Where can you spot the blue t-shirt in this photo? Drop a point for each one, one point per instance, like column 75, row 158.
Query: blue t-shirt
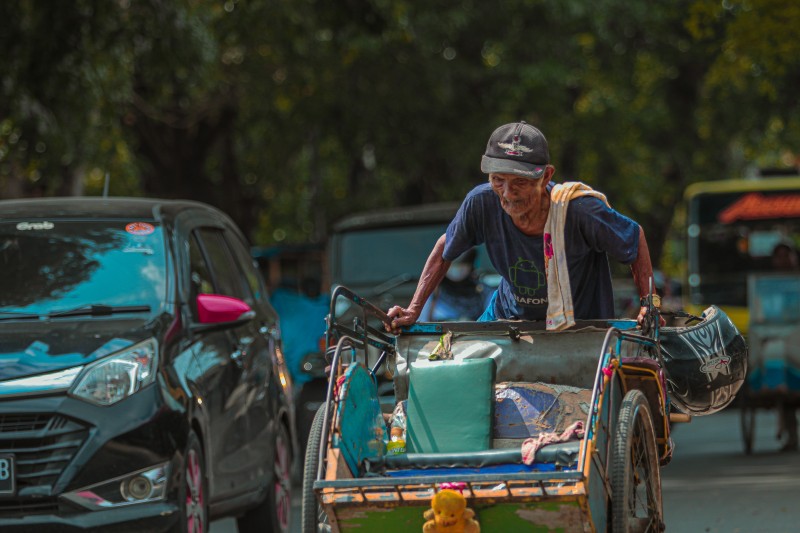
column 592, row 233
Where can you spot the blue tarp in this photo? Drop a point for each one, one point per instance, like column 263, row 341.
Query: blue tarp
column 302, row 326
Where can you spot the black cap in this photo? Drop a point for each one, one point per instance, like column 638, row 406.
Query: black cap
column 516, row 148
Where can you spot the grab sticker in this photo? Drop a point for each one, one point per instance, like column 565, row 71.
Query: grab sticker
column 27, row 226
column 140, row 228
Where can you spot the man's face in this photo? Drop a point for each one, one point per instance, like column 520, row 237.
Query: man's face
column 518, row 195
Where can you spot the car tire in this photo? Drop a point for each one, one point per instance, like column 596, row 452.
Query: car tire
column 193, row 489
column 273, row 514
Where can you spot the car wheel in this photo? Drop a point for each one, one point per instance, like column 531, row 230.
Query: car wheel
column 273, row 514
column 193, row 489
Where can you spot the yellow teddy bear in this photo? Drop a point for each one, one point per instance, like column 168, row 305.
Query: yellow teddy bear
column 449, row 514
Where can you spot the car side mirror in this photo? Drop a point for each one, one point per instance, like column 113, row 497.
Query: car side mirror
column 215, row 311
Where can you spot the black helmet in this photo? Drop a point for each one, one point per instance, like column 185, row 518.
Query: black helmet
column 705, row 363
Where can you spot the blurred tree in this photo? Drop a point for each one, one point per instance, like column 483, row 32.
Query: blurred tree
column 59, row 79
column 751, row 100
column 290, row 114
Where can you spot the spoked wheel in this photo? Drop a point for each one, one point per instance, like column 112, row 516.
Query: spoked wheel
column 273, row 513
column 193, row 489
column 314, row 518
column 747, row 416
column 635, row 475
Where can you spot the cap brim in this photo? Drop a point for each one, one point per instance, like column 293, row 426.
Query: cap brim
column 494, row 165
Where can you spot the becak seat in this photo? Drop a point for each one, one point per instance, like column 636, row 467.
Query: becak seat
column 449, row 406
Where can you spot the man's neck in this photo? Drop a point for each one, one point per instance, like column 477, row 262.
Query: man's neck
column 532, row 222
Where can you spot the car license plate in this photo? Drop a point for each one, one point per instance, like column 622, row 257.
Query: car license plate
column 8, row 485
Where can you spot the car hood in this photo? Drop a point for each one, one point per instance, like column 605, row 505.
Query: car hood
column 34, row 347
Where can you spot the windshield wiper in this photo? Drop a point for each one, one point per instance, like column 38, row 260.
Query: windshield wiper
column 100, row 310
column 17, row 315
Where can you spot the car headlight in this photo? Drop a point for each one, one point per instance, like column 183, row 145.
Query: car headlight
column 116, row 377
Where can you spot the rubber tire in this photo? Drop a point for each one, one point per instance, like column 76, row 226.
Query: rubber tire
column 635, row 423
column 193, row 455
column 312, row 392
column 311, row 508
column 277, row 505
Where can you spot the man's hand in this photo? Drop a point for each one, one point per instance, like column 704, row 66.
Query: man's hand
column 400, row 317
column 643, row 315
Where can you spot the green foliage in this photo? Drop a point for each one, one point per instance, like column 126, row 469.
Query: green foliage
column 755, row 72
column 290, row 114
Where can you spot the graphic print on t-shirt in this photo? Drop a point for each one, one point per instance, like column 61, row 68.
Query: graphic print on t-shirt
column 527, row 280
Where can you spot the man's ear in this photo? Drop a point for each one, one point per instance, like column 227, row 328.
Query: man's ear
column 549, row 171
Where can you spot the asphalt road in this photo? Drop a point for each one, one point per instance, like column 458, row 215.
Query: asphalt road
column 228, row 525
column 711, row 486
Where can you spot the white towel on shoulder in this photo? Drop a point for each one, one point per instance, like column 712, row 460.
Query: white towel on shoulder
column 560, row 314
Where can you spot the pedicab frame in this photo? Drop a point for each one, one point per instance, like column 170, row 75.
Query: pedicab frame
column 615, row 485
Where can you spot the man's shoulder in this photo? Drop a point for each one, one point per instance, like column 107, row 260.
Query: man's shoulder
column 586, row 202
column 590, row 212
column 480, row 190
column 481, row 196
column 587, row 205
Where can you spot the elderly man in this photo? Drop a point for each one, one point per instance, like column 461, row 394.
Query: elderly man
column 553, row 260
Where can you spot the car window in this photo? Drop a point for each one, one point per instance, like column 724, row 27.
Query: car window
column 57, row 264
column 228, row 279
column 200, row 276
column 247, row 263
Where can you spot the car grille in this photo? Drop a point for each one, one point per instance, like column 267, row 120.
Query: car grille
column 17, row 508
column 43, row 445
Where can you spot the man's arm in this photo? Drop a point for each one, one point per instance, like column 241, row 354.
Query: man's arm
column 642, row 270
column 433, row 273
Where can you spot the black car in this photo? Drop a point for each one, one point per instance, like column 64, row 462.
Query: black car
column 142, row 384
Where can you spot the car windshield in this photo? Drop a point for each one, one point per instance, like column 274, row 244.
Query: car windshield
column 387, row 256
column 54, row 265
column 378, row 256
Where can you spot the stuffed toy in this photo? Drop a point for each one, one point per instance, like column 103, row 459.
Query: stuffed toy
column 449, row 514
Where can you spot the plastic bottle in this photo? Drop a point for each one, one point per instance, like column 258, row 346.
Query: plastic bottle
column 397, row 444
column 377, row 445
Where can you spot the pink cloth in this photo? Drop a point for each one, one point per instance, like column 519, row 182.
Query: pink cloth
column 531, row 445
column 454, row 485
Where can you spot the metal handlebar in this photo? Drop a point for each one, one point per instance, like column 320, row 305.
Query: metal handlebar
column 361, row 331
column 341, row 290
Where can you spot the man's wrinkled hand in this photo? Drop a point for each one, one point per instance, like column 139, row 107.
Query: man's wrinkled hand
column 400, row 317
column 643, row 315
